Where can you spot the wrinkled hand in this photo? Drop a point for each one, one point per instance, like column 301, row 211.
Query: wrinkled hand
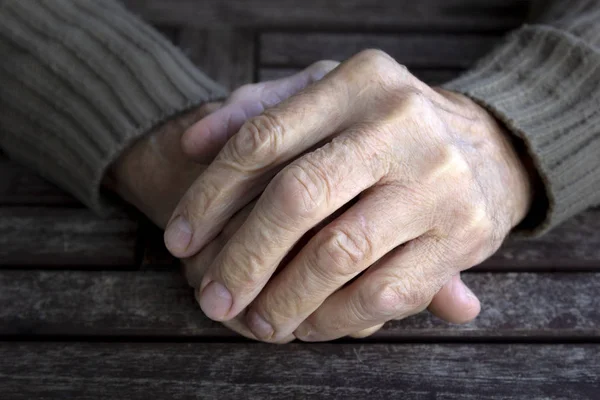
column 154, row 173
column 436, row 180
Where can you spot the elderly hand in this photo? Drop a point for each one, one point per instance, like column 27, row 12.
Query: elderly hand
column 432, row 184
column 154, row 173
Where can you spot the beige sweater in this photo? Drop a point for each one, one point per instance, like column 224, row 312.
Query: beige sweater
column 80, row 80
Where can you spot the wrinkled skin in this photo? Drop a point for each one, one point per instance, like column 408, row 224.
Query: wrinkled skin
column 155, row 173
column 428, row 181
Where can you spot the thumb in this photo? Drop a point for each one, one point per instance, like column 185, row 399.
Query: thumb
column 204, row 140
column 455, row 302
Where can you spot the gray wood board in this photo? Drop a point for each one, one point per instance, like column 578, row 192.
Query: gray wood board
column 413, row 50
column 298, row 371
column 60, row 237
column 446, row 15
column 225, row 55
column 21, row 186
column 553, row 306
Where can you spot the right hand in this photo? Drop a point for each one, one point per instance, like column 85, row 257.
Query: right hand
column 453, row 303
column 156, row 171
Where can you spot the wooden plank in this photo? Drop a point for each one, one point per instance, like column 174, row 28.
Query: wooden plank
column 413, row 50
column 553, row 306
column 65, row 237
column 20, row 186
column 298, row 371
column 430, row 76
column 447, row 15
column 575, row 245
column 225, row 55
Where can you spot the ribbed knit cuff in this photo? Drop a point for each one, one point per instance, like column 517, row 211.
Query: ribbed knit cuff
column 80, row 80
column 544, row 85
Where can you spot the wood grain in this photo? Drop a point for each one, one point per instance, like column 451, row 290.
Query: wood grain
column 225, row 55
column 573, row 245
column 154, row 303
column 21, row 186
column 447, row 15
column 298, row 371
column 413, row 50
column 60, row 237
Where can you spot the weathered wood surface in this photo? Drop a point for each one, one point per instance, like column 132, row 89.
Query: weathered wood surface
column 299, row 371
column 20, row 186
column 151, row 303
column 60, row 237
column 447, row 15
column 573, row 245
column 226, row 55
column 413, row 50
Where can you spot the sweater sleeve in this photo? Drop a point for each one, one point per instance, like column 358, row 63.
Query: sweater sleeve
column 80, row 80
column 543, row 83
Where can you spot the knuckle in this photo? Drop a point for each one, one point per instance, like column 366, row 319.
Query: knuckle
column 450, row 171
column 243, row 271
column 398, row 296
column 303, row 190
column 416, row 100
column 278, row 307
column 416, row 105
column 344, row 251
column 384, row 301
column 199, row 199
column 258, row 141
column 380, row 66
column 375, row 56
column 457, row 167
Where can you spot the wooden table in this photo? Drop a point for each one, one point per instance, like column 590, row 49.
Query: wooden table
column 95, row 308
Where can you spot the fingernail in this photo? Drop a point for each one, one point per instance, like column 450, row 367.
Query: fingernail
column 178, row 235
column 215, row 301
column 470, row 294
column 303, row 332
column 261, row 328
column 466, row 292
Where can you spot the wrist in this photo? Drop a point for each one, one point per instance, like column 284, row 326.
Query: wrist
column 499, row 149
column 517, row 172
column 153, row 173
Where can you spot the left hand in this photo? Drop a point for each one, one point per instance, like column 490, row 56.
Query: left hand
column 438, row 182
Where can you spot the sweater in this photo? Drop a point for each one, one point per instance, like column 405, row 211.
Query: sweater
column 81, row 80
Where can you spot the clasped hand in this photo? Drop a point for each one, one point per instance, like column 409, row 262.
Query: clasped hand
column 333, row 205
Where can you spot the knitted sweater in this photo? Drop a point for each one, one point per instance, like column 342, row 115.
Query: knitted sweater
column 80, row 80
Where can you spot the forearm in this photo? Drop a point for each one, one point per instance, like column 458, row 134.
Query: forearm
column 80, row 82
column 542, row 82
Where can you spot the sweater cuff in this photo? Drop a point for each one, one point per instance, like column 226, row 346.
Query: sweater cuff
column 543, row 84
column 81, row 81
